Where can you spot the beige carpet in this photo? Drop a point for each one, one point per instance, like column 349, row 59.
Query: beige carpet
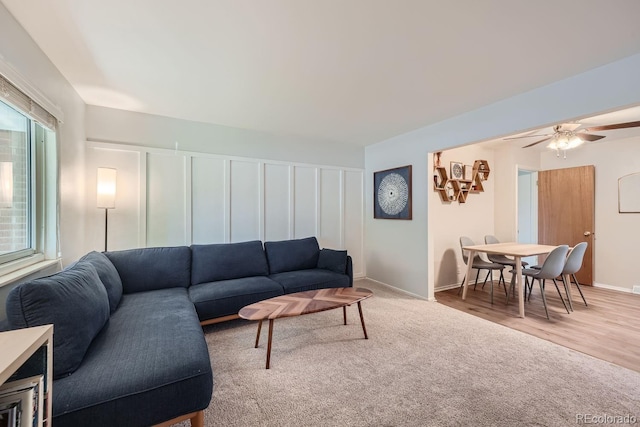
column 424, row 364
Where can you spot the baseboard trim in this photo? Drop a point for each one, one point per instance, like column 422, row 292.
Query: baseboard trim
column 446, row 287
column 613, row 288
column 411, row 294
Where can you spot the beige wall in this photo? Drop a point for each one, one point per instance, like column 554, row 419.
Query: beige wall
column 473, row 219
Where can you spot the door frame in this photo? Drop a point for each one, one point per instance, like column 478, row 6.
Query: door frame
column 524, row 168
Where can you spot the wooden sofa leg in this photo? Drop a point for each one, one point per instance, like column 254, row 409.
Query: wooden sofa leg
column 198, row 419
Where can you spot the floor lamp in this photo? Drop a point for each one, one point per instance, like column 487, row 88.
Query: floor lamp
column 106, row 195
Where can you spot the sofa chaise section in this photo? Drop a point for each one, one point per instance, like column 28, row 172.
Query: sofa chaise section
column 128, row 346
column 149, row 364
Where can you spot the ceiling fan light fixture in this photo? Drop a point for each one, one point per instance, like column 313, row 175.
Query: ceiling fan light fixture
column 564, row 140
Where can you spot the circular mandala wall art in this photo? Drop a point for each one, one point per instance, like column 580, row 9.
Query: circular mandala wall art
column 393, row 194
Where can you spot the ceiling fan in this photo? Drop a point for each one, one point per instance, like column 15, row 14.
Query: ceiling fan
column 566, row 136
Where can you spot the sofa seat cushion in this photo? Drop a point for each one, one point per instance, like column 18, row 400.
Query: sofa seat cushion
column 73, row 300
column 108, row 276
column 306, row 280
column 226, row 261
column 291, row 255
column 149, row 364
column 147, row 269
column 227, row 297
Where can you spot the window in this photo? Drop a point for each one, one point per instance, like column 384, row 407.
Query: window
column 27, row 204
column 16, row 219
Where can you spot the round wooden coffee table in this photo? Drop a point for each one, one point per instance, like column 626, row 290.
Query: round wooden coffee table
column 305, row 302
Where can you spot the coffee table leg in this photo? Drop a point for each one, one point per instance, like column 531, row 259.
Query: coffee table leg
column 362, row 321
column 258, row 334
column 344, row 312
column 269, row 343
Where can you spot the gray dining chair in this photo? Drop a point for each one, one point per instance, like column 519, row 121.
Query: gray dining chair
column 550, row 269
column 499, row 258
column 572, row 266
column 480, row 264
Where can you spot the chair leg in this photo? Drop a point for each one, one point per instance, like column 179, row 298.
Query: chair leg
column 491, row 290
column 504, row 284
column 561, row 297
column 566, row 291
column 486, row 277
column 476, row 284
column 544, row 299
column 579, row 290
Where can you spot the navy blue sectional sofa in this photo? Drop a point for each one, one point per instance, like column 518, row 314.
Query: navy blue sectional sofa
column 129, row 349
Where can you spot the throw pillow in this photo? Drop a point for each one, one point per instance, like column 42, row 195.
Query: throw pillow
column 108, row 276
column 74, row 301
column 292, row 255
column 333, row 260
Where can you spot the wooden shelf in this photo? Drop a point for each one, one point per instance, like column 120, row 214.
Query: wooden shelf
column 476, row 186
column 465, row 187
column 451, row 190
column 441, row 183
column 481, row 169
column 18, row 346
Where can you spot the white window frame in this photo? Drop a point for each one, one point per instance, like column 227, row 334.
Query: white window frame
column 44, row 249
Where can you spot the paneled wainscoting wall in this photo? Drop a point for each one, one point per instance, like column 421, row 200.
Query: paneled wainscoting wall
column 171, row 197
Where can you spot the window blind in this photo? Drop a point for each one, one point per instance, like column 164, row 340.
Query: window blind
column 21, row 101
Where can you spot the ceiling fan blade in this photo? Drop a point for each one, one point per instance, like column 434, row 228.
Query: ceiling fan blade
column 614, row 126
column 528, row 136
column 537, row 142
column 589, row 137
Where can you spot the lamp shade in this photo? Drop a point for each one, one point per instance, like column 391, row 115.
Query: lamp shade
column 107, row 188
column 6, row 184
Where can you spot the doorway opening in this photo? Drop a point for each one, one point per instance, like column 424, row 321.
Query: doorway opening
column 528, row 209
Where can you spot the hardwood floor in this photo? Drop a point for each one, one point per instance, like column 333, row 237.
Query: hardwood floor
column 607, row 329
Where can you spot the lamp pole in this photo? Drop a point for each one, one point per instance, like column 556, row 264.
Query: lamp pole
column 106, row 227
column 106, row 196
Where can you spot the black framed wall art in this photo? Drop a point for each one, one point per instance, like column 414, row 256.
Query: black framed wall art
column 392, row 193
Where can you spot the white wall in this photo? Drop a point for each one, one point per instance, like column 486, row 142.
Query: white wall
column 401, row 253
column 615, row 233
column 111, row 125
column 473, row 219
column 20, row 52
column 174, row 197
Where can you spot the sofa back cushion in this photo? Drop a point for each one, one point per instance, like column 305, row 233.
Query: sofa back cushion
column 292, row 255
column 108, row 276
column 73, row 300
column 148, row 269
column 226, row 261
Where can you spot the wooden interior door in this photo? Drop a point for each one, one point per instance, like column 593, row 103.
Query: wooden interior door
column 566, row 212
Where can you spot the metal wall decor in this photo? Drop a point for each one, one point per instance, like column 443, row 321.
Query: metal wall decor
column 392, row 193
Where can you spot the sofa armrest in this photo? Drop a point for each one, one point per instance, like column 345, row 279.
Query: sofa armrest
column 349, row 271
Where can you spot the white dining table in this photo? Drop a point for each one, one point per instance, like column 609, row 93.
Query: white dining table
column 517, row 251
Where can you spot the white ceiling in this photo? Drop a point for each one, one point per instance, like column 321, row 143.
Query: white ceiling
column 354, row 71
